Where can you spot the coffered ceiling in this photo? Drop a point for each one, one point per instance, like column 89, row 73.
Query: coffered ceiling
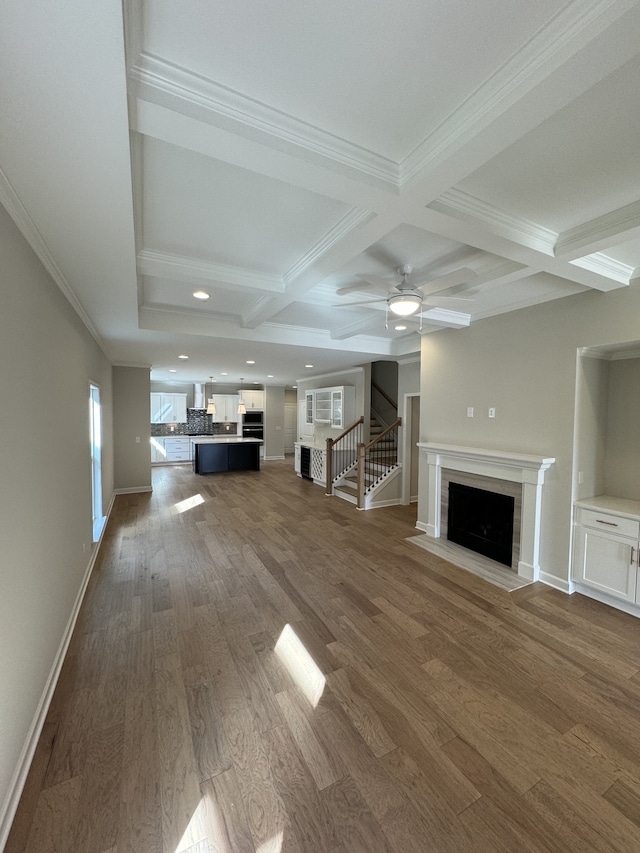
column 273, row 154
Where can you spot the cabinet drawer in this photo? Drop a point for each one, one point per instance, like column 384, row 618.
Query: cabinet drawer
column 611, row 523
column 177, row 456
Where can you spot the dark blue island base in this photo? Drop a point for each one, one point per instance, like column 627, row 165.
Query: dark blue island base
column 214, row 458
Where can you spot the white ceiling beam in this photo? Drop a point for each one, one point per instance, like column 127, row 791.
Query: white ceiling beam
column 605, row 231
column 348, row 330
column 180, row 268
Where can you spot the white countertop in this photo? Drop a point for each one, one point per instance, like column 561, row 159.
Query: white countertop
column 220, row 439
column 610, row 503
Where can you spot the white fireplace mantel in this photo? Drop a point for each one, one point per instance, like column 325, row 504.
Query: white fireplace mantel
column 515, row 467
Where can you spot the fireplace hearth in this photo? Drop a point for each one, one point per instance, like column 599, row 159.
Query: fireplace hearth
column 481, row 521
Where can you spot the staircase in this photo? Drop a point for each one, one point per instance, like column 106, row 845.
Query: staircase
column 367, row 482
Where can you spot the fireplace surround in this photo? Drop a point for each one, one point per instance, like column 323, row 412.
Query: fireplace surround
column 515, row 468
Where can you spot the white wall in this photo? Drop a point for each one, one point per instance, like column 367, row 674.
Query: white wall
column 523, row 364
column 47, row 360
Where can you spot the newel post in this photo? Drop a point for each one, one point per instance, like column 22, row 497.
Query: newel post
column 329, row 467
column 361, row 462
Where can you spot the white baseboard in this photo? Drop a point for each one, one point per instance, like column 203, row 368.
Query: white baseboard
column 16, row 786
column 556, row 583
column 272, row 458
column 422, row 525
column 133, row 490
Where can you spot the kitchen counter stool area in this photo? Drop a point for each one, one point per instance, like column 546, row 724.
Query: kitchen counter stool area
column 217, row 455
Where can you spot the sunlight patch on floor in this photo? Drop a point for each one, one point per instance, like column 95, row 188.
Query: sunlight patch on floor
column 273, row 845
column 300, row 665
column 189, row 503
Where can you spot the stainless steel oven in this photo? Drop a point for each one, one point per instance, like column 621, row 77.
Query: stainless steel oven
column 252, row 430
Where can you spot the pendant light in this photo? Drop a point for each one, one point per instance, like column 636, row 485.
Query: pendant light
column 211, row 406
column 242, row 409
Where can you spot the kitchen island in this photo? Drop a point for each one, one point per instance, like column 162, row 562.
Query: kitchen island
column 214, row 455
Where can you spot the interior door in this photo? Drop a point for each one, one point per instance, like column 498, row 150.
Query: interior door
column 289, row 427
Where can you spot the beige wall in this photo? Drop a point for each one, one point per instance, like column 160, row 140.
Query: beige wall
column 622, row 437
column 274, row 422
column 523, row 364
column 47, row 360
column 131, row 421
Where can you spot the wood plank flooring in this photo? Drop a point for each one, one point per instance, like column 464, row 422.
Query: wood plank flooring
column 408, row 706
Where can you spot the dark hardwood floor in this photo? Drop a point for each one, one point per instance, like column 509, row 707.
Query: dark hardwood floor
column 258, row 668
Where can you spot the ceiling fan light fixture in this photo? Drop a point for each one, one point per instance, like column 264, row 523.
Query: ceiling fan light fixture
column 405, row 304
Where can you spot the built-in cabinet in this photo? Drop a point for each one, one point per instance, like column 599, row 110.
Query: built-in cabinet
column 606, row 542
column 317, row 461
column 226, row 408
column 253, row 400
column 333, row 407
column 168, row 449
column 168, row 408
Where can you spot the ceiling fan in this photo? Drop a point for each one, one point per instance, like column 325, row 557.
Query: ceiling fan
column 405, row 298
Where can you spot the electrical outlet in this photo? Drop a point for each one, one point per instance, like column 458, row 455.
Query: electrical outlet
column 137, row 439
column 492, row 412
column 469, row 411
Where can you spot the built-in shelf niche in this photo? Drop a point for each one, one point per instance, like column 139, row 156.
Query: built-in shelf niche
column 607, row 434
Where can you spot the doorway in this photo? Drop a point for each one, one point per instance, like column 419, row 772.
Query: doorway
column 411, row 451
column 95, row 427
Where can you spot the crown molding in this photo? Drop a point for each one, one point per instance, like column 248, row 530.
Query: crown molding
column 515, row 228
column 350, row 222
column 613, row 228
column 552, row 44
column 182, row 268
column 222, row 103
column 604, row 265
column 27, row 227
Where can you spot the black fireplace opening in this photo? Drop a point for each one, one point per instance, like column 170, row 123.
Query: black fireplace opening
column 481, row 521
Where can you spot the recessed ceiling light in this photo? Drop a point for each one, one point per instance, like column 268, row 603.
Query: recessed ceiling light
column 308, row 365
column 269, row 375
column 400, row 327
column 183, row 356
column 256, row 383
column 200, row 294
column 224, row 374
column 294, row 386
column 172, row 370
column 250, row 361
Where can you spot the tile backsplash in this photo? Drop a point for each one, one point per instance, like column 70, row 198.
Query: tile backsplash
column 198, row 422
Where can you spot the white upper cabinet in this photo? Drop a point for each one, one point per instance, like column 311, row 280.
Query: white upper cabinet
column 333, row 407
column 168, row 408
column 253, row 400
column 226, row 409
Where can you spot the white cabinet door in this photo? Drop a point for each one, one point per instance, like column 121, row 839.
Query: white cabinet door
column 606, row 561
column 168, row 408
column 226, row 408
column 296, row 458
column 253, row 400
column 337, row 419
column 158, row 453
column 309, row 406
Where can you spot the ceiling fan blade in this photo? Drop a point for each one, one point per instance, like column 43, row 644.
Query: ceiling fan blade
column 463, row 275
column 436, row 299
column 376, row 281
column 347, row 304
column 368, row 283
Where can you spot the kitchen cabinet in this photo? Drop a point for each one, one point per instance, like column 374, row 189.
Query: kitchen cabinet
column 168, row 408
column 169, row 449
column 158, row 453
column 252, row 399
column 226, row 409
column 605, row 551
column 177, row 449
column 334, row 407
